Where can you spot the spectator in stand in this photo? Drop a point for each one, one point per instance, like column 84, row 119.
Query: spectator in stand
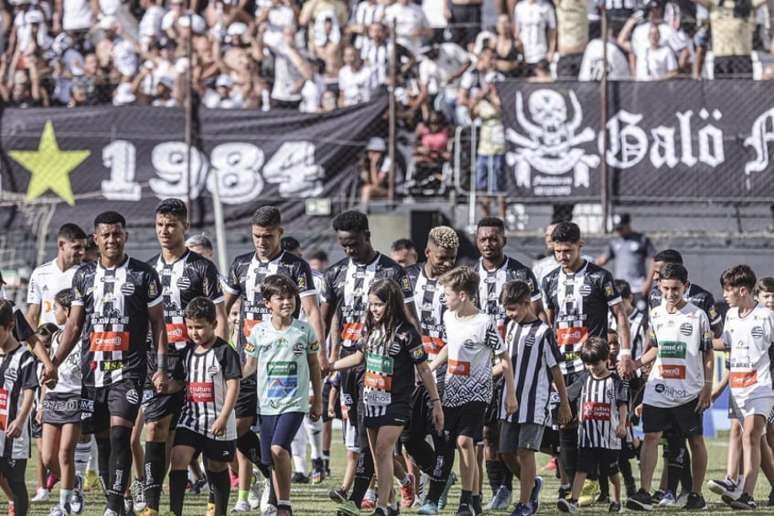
column 366, row 14
column 24, row 89
column 657, row 62
column 291, row 71
column 432, row 149
column 509, row 58
column 477, row 84
column 572, row 36
column 356, row 79
column 374, row 173
column 274, row 18
column 732, row 23
column 592, row 65
column 440, row 69
column 404, row 252
column 437, row 14
column 328, row 47
column 534, row 24
column 411, row 25
column 490, row 164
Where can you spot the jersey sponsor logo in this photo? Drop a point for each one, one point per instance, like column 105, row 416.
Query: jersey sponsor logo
column 301, row 283
column 458, row 368
column 281, row 386
column 132, row 397
column 153, row 290
column 529, row 340
column 757, row 332
column 248, row 325
column 376, row 381
column 672, row 371
column 351, row 331
column 596, row 411
column 111, row 365
column 109, row 341
column 743, row 379
column 571, row 336
column 671, row 349
column 280, row 369
column 609, row 290
column 176, row 332
column 377, row 398
column 127, row 289
column 686, row 329
column 200, row 392
column 379, row 364
column 3, row 408
column 585, row 290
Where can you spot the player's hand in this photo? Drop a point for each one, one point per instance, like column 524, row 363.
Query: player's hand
column 160, row 381
column 511, row 405
column 50, row 376
column 39, row 416
column 705, row 398
column 565, row 414
column 218, row 427
column 14, row 429
column 638, row 410
column 626, row 366
column 332, row 410
column 438, row 421
column 620, row 430
column 325, row 366
column 315, row 408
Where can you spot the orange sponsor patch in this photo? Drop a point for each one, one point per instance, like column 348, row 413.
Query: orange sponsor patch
column 378, row 382
column 571, row 336
column 432, row 345
column 248, row 325
column 176, row 333
column 672, row 372
column 742, row 379
column 109, row 341
column 458, row 368
column 352, row 331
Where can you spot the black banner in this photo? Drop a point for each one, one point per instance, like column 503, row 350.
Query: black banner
column 667, row 141
column 87, row 160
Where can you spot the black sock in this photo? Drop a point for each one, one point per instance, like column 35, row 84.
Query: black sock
column 103, row 462
column 604, row 486
column 686, row 479
column 494, row 472
column 507, row 477
column 177, row 481
column 250, row 446
column 466, row 497
column 120, row 466
column 16, row 483
column 221, row 486
column 476, row 503
column 155, row 462
column 363, row 475
column 326, row 458
column 272, row 492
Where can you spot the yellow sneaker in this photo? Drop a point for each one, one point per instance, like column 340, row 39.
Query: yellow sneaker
column 90, row 481
column 149, row 512
column 210, row 509
column 588, row 493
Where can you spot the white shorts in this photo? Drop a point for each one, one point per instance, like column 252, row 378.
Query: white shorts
column 757, row 406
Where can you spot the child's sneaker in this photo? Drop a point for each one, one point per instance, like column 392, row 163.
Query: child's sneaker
column 696, row 503
column 428, row 508
column 41, row 495
column 241, row 506
column 744, row 502
column 369, row 500
column 501, row 499
column 523, row 510
column 407, row 495
column 588, row 493
column 337, row 495
column 465, row 510
column 565, row 505
column 641, row 501
column 725, row 487
column 667, row 500
column 615, row 507
column 658, row 494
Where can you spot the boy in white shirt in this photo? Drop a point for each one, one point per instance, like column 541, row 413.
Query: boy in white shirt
column 748, row 333
column 472, row 339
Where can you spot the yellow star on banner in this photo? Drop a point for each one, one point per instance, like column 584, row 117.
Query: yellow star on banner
column 50, row 166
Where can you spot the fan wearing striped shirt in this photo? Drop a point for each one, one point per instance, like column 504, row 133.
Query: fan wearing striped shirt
column 212, row 371
column 602, row 415
column 535, row 363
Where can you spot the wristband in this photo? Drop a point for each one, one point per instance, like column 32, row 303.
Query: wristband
column 161, row 362
column 436, row 399
column 624, row 352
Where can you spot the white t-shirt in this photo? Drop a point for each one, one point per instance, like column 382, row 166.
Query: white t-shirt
column 592, row 64
column 435, row 73
column 46, row 282
column 471, row 341
column 641, row 39
column 70, row 377
column 285, row 77
column 433, row 10
column 310, row 95
column 532, row 20
column 750, row 339
column 409, row 19
column 653, row 63
column 150, row 24
column 280, row 17
column 677, row 376
column 76, row 15
column 356, row 86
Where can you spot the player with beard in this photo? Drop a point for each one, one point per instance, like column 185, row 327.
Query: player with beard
column 244, row 283
column 495, row 270
column 578, row 296
column 346, row 300
column 441, row 253
column 185, row 275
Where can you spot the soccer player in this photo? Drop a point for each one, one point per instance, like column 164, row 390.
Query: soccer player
column 578, row 296
column 19, row 382
column 116, row 299
column 244, row 281
column 346, row 298
column 404, row 252
column 679, row 386
column 184, row 275
column 207, row 422
column 602, row 418
column 749, row 334
column 284, row 353
column 391, row 349
column 535, row 360
column 61, row 410
column 495, row 269
column 441, row 255
column 472, row 343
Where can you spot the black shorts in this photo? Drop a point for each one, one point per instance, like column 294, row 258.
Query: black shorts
column 421, row 412
column 683, row 418
column 156, row 407
column 398, row 414
column 337, row 406
column 602, row 460
column 221, row 451
column 13, row 468
column 550, row 444
column 247, row 402
column 61, row 409
column 466, row 420
column 99, row 404
column 492, row 416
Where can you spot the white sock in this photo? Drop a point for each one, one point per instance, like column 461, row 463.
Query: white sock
column 64, row 496
column 93, row 463
column 298, row 447
column 313, row 431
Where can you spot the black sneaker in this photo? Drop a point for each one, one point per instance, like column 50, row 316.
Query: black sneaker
column 465, row 510
column 695, row 502
column 564, row 492
column 615, row 507
column 641, row 501
column 771, row 497
column 602, row 499
column 299, row 478
column 658, row 495
column 337, row 495
column 379, row 512
column 565, row 505
column 745, row 502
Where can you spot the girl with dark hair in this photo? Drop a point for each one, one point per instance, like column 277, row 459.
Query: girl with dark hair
column 390, row 348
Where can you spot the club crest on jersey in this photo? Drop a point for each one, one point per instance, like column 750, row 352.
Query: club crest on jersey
column 405, row 283
column 132, row 397
column 301, row 282
column 609, row 290
column 585, row 290
column 11, row 375
column 529, row 340
column 757, row 332
column 213, row 370
column 298, row 349
column 184, row 283
column 417, row 352
column 469, row 344
column 127, row 289
column 686, row 329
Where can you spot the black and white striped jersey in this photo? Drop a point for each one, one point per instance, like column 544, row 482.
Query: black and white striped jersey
column 638, row 330
column 598, row 410
column 190, row 276
column 533, row 352
column 206, row 374
column 17, row 373
column 491, row 285
column 579, row 302
column 116, row 303
column 429, row 302
column 347, row 284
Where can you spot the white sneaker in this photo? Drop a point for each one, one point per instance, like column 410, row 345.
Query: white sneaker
column 110, row 512
column 241, row 506
column 254, row 498
column 270, row 510
column 264, row 504
column 58, row 510
column 138, row 495
column 41, row 495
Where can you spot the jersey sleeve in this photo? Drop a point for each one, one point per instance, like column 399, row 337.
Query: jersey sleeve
column 229, row 363
column 492, row 339
column 34, row 295
column 533, row 283
column 312, row 344
column 551, row 353
column 329, row 291
column 79, row 287
column 621, row 391
column 706, row 332
column 304, row 279
column 548, row 295
column 22, row 329
column 211, row 282
column 612, row 296
column 28, row 372
column 152, row 288
column 231, row 283
column 405, row 286
column 413, row 344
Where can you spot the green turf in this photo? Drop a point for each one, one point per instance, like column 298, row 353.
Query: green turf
column 313, row 500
